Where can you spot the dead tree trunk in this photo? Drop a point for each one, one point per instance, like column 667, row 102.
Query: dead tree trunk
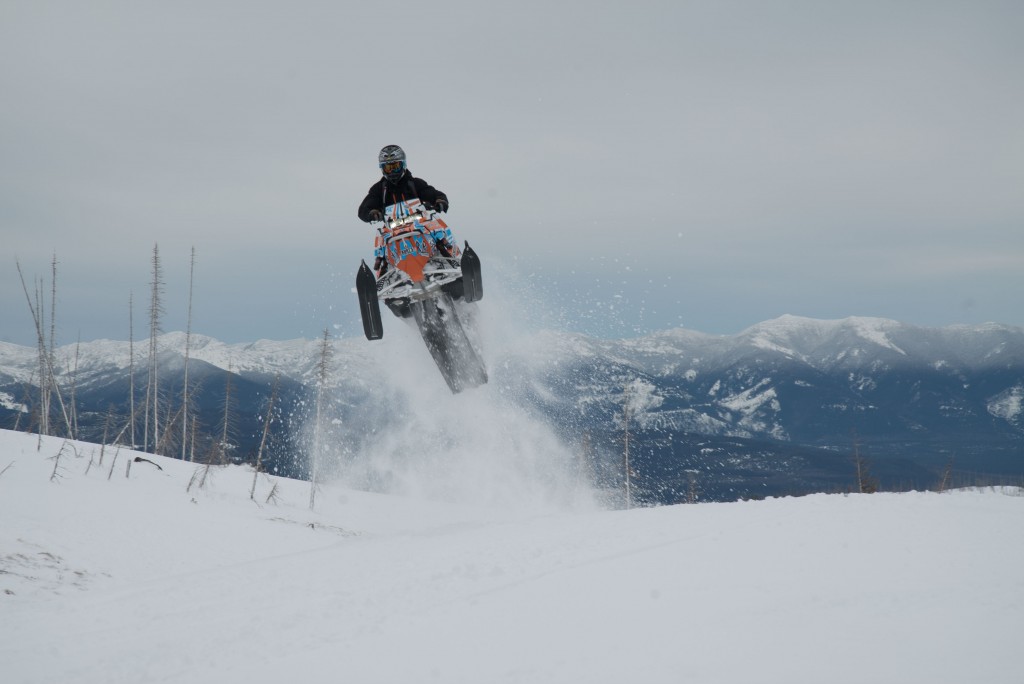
column 152, row 388
column 185, row 396
column 263, row 440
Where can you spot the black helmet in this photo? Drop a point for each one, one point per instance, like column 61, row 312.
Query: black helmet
column 392, row 162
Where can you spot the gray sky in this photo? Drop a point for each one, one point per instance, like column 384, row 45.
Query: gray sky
column 643, row 165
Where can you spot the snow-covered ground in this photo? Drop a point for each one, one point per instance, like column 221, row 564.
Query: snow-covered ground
column 112, row 576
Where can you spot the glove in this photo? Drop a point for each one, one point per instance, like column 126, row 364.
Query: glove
column 376, row 215
column 441, row 204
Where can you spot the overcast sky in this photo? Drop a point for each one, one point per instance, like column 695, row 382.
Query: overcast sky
column 642, row 165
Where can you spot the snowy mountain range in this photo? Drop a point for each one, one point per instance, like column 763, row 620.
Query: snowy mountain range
column 777, row 407
column 798, row 379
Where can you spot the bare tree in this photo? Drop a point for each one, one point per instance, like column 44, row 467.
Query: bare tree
column 27, row 405
column 185, row 396
column 271, row 497
column 947, row 475
column 637, row 398
column 866, row 484
column 48, row 387
column 192, row 442
column 220, row 447
column 74, row 390
column 50, row 351
column 45, row 372
column 627, row 412
column 228, row 420
column 263, row 439
column 167, row 440
column 89, row 466
column 131, row 368
column 113, row 461
column 106, row 431
column 691, row 488
column 152, row 386
column 56, row 474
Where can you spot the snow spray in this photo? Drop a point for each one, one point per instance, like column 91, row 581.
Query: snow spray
column 411, row 436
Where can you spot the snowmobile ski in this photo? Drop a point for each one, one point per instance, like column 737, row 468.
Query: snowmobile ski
column 369, row 306
column 472, row 285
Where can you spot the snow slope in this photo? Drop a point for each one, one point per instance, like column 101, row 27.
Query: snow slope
column 124, row 576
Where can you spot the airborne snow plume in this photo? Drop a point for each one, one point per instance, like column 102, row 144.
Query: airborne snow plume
column 411, row 435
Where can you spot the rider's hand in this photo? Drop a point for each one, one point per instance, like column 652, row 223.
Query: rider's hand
column 441, row 204
column 376, row 215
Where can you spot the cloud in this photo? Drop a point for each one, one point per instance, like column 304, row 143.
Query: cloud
column 761, row 133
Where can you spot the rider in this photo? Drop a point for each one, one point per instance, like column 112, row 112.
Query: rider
column 398, row 185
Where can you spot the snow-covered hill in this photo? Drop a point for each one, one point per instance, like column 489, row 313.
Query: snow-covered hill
column 109, row 575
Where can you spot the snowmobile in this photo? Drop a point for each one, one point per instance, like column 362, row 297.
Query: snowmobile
column 425, row 277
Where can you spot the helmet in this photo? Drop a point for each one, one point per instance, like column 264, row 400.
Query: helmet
column 392, row 162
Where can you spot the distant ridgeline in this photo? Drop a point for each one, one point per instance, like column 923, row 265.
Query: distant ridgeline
column 788, row 406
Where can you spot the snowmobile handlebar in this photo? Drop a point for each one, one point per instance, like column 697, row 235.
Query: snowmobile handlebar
column 393, row 223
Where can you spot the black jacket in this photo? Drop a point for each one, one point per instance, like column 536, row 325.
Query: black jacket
column 382, row 193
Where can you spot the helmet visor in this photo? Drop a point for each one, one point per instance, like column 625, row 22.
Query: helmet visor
column 392, row 167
